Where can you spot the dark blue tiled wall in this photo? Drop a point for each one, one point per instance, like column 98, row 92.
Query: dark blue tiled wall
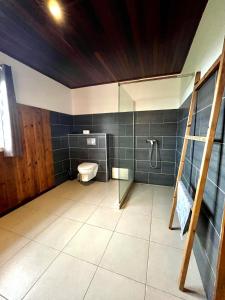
column 61, row 125
column 80, row 152
column 208, row 231
column 162, row 126
column 158, row 124
column 118, row 126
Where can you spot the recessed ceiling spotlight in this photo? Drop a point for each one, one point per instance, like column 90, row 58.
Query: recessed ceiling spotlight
column 56, row 10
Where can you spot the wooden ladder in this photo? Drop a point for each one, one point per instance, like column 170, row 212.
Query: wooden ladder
column 208, row 140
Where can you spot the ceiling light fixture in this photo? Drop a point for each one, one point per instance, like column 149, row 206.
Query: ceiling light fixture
column 56, row 10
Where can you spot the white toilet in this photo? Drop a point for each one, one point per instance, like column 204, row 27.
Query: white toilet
column 87, row 171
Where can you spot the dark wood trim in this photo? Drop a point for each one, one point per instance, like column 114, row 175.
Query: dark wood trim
column 101, row 41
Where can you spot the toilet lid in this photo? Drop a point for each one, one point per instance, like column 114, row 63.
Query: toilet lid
column 87, row 166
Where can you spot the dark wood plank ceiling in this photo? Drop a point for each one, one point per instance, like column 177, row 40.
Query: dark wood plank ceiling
column 100, row 41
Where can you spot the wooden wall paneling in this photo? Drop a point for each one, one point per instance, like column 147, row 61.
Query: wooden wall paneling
column 49, row 165
column 39, row 154
column 23, row 178
column 21, row 173
column 26, row 165
column 8, row 189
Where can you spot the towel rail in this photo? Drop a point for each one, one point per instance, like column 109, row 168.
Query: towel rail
column 219, row 64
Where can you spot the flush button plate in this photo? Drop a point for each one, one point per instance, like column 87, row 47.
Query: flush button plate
column 91, row 141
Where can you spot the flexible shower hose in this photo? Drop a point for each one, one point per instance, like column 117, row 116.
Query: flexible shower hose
column 153, row 166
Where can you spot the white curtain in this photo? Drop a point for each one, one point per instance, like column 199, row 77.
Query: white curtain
column 1, row 124
column 10, row 135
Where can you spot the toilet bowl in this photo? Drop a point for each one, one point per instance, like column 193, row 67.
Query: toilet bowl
column 87, row 171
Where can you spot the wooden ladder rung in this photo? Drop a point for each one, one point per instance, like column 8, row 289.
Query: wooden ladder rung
column 196, row 138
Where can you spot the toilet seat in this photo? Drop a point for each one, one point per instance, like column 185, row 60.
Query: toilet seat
column 87, row 166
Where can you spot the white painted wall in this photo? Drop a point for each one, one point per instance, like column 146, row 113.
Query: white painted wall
column 155, row 95
column 207, row 43
column 35, row 89
column 149, row 95
column 95, row 99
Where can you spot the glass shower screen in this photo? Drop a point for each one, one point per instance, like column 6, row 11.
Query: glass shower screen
column 125, row 143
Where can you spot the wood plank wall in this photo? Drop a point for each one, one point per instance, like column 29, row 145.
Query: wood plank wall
column 23, row 178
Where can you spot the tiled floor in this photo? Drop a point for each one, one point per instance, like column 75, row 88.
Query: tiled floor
column 71, row 243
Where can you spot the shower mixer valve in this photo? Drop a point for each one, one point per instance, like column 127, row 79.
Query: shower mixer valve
column 151, row 141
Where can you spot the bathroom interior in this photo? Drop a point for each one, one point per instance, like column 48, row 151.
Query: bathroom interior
column 105, row 115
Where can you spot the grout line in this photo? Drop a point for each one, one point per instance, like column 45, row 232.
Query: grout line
column 45, row 270
column 29, row 240
column 59, row 251
column 146, row 278
column 198, row 169
column 166, row 245
column 165, row 292
column 42, row 273
column 103, row 255
column 98, row 266
column 207, row 258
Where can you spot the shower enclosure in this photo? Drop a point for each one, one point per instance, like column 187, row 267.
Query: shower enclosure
column 125, row 143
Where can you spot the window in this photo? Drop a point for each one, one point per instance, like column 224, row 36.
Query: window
column 1, row 136
column 1, row 117
column 10, row 136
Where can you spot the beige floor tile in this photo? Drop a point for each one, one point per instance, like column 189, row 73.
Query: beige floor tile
column 89, row 243
column 19, row 273
column 80, row 211
column 163, row 271
column 58, row 234
column 127, row 256
column 162, row 205
column 53, row 193
column 154, row 294
column 143, row 186
column 163, row 196
column 105, row 218
column 67, row 278
column 53, row 205
column 160, row 233
column 69, row 187
column 111, row 286
column 161, row 212
column 54, row 220
column 139, row 206
column 140, row 202
column 92, row 197
column 140, row 188
column 2, row 298
column 34, row 223
column 10, row 244
column 110, row 200
column 134, row 224
column 74, row 195
column 76, row 192
column 10, row 220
